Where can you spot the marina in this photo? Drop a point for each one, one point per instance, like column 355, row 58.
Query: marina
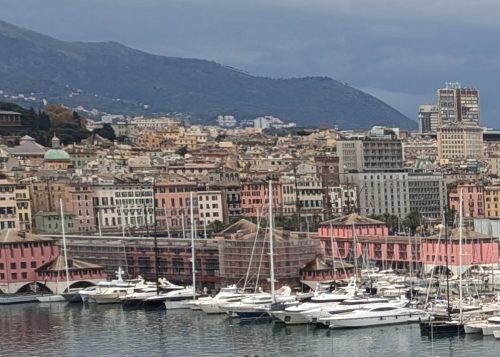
column 109, row 330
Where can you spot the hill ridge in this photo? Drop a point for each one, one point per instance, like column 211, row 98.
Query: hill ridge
column 118, row 79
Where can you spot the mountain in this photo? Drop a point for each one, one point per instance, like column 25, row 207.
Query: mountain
column 117, row 79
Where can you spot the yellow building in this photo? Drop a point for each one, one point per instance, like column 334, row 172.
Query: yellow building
column 149, row 139
column 492, row 201
column 23, row 205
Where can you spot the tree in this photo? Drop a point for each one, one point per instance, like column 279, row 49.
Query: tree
column 107, row 132
column 412, row 221
column 182, row 151
column 217, row 226
column 76, row 119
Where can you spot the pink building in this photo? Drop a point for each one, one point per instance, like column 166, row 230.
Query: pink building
column 477, row 249
column 22, row 255
column 172, row 195
column 79, row 200
column 346, row 227
column 255, row 198
column 473, row 199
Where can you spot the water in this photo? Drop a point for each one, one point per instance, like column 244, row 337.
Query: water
column 76, row 330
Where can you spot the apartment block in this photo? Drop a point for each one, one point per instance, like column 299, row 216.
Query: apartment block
column 8, row 205
column 458, row 104
column 492, row 201
column 427, row 194
column 371, row 153
column 428, row 118
column 460, row 141
column 472, row 199
column 382, row 192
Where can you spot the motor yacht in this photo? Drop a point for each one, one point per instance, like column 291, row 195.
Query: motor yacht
column 175, row 300
column 375, row 316
column 109, row 295
column 315, row 315
column 293, row 315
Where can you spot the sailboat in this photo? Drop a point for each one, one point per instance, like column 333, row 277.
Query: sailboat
column 59, row 297
column 260, row 305
column 452, row 325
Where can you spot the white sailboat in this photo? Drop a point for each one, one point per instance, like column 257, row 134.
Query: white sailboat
column 58, row 297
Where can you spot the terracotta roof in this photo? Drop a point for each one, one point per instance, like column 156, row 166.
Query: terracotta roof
column 242, row 226
column 325, row 263
column 58, row 264
column 13, row 236
column 351, row 219
column 454, row 234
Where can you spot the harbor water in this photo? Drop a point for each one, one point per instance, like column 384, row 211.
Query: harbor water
column 77, row 330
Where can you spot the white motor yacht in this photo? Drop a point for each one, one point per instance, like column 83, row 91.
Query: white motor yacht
column 259, row 300
column 109, row 295
column 375, row 316
column 315, row 315
column 138, row 296
column 293, row 315
column 175, row 300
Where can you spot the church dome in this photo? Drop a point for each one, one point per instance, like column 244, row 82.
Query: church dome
column 56, row 153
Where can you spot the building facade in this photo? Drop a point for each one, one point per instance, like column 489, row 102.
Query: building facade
column 427, row 194
column 457, row 104
column 428, row 118
column 382, row 192
column 460, row 141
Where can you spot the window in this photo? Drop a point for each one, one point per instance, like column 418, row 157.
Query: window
column 13, row 265
column 14, row 276
column 23, row 265
column 1, row 266
column 33, row 264
column 24, row 275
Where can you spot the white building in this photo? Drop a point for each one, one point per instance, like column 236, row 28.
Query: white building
column 382, row 192
column 210, row 203
column 261, row 123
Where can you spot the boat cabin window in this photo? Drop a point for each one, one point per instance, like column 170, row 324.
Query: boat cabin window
column 385, row 308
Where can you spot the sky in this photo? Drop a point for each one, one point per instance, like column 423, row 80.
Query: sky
column 400, row 51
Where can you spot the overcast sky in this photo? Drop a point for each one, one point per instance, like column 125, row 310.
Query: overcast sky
column 401, row 51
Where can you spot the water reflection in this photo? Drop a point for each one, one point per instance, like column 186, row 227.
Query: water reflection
column 100, row 330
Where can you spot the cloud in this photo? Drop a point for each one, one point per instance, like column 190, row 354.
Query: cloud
column 399, row 51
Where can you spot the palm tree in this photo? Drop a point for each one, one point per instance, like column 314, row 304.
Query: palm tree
column 412, row 221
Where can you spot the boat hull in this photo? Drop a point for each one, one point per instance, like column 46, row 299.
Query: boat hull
column 211, row 308
column 251, row 315
column 290, row 318
column 175, row 305
column 51, row 298
column 132, row 301
column 371, row 321
column 72, row 296
column 431, row 328
column 488, row 329
column 105, row 299
column 469, row 329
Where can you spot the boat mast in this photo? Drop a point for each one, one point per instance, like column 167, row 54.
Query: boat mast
column 333, row 256
column 460, row 252
column 447, row 275
column 193, row 260
column 354, row 251
column 64, row 244
column 271, row 250
column 156, row 240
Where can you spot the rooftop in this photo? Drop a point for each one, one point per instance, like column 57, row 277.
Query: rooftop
column 6, row 112
column 58, row 264
column 352, row 219
column 13, row 236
